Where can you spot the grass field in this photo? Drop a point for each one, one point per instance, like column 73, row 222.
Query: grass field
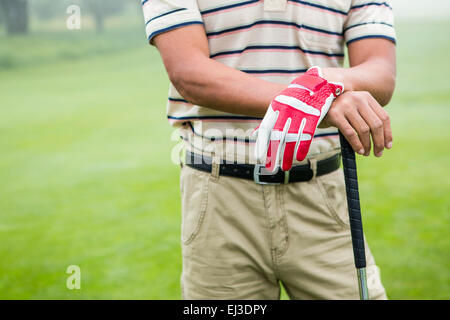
column 87, row 177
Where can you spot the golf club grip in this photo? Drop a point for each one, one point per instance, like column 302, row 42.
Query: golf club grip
column 354, row 209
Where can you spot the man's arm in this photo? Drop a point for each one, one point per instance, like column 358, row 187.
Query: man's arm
column 372, row 69
column 369, row 84
column 208, row 83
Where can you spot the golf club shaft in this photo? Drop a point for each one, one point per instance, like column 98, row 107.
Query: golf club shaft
column 362, row 284
column 354, row 212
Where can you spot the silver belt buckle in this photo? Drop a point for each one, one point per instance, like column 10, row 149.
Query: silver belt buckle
column 257, row 173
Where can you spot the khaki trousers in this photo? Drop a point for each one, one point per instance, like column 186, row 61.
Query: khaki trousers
column 240, row 240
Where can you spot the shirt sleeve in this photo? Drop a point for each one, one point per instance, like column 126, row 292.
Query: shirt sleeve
column 369, row 19
column 165, row 15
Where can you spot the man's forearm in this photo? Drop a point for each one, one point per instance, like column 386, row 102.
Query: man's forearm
column 372, row 69
column 213, row 85
column 373, row 76
column 208, row 83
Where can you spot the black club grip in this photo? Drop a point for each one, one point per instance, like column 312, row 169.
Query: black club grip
column 354, row 208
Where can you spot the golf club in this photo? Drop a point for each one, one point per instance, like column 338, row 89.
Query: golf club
column 354, row 212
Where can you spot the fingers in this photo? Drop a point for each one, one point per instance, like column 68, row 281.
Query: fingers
column 376, row 129
column 272, row 151
column 270, row 145
column 288, row 156
column 303, row 142
column 384, row 117
column 283, row 146
column 362, row 121
column 362, row 129
column 284, row 156
column 299, row 138
column 264, row 131
column 350, row 134
column 275, row 152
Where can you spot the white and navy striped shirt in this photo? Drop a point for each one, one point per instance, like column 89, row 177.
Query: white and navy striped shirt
column 275, row 46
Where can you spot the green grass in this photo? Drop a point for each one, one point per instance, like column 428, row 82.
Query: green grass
column 87, row 177
column 405, row 193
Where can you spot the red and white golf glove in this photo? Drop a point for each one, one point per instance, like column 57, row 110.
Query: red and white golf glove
column 288, row 127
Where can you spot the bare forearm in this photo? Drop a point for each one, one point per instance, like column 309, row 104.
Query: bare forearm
column 374, row 77
column 208, row 83
column 211, row 84
column 372, row 69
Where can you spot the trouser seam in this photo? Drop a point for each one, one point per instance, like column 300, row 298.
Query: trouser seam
column 283, row 222
column 270, row 234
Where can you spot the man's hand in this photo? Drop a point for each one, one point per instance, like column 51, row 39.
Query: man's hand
column 288, row 127
column 359, row 116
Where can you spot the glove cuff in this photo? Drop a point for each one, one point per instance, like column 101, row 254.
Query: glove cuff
column 313, row 79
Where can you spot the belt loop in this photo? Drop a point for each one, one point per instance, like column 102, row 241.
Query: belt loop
column 313, row 167
column 286, row 177
column 215, row 167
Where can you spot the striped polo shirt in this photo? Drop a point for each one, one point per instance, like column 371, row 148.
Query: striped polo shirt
column 275, row 46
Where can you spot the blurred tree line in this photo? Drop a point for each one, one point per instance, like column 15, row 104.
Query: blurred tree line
column 15, row 14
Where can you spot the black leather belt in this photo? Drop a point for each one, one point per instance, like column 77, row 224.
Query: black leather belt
column 260, row 175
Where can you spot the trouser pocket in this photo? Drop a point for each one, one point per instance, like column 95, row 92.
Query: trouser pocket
column 332, row 189
column 194, row 198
